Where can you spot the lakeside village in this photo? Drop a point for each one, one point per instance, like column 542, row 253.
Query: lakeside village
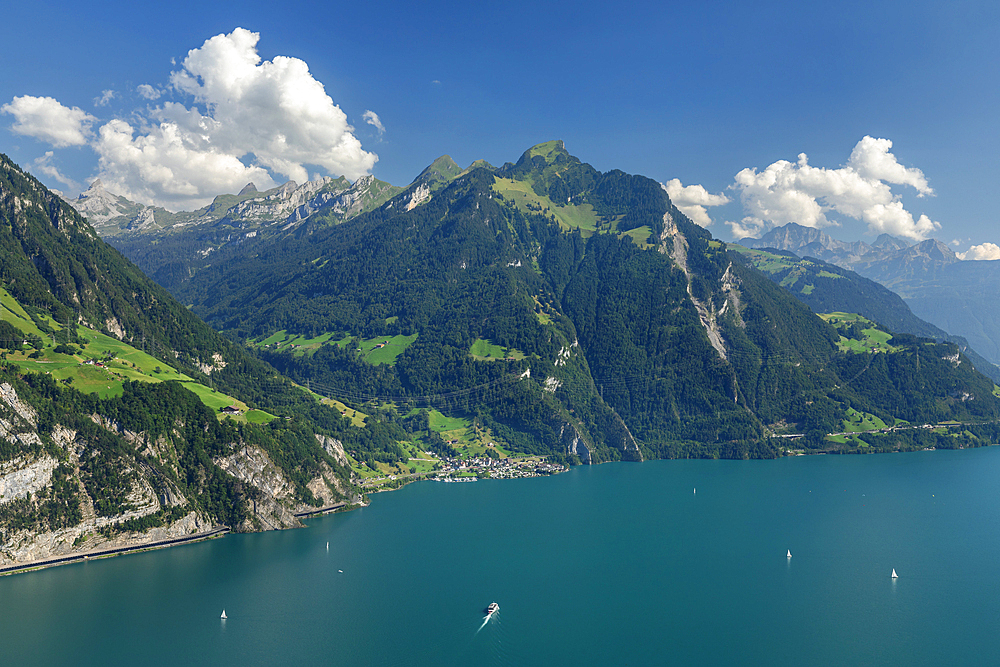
column 452, row 469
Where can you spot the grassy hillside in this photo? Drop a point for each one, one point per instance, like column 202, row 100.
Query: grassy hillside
column 94, row 363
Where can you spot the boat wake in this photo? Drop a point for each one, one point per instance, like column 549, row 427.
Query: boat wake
column 492, row 609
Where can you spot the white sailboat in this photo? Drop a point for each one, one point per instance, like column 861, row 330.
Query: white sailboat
column 789, row 553
column 894, row 575
column 224, row 617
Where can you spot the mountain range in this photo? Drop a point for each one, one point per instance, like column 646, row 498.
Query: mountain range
column 169, row 246
column 640, row 334
column 361, row 332
column 827, row 288
column 955, row 295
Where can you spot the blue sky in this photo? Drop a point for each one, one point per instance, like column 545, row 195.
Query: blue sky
column 698, row 92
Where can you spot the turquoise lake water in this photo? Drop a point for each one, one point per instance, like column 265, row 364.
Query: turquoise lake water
column 620, row 564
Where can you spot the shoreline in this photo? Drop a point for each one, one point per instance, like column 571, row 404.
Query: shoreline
column 84, row 556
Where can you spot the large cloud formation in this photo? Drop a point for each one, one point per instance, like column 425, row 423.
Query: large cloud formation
column 785, row 192
column 239, row 120
column 46, row 119
column 693, row 200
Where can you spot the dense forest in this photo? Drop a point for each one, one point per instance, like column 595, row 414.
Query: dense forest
column 539, row 308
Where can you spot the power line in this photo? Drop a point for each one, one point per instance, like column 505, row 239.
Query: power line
column 361, row 397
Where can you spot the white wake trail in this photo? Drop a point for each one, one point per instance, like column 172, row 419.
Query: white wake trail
column 485, row 621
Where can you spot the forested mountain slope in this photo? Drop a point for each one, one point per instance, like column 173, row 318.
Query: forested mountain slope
column 565, row 310
column 101, row 437
column 827, row 288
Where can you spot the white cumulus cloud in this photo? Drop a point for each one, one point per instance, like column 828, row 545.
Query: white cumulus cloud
column 871, row 158
column 372, row 119
column 244, row 120
column 981, row 251
column 693, row 200
column 799, row 192
column 275, row 109
column 161, row 167
column 46, row 119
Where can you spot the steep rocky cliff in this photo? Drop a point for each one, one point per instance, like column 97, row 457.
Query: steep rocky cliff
column 98, row 484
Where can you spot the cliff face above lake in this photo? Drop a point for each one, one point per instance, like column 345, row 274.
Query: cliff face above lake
column 98, row 480
column 110, row 395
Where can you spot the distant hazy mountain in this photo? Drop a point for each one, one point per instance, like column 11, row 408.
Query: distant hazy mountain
column 957, row 296
column 171, row 246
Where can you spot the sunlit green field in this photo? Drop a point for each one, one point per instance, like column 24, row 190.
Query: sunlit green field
column 874, row 339
column 484, row 350
column 102, row 364
column 857, row 422
column 569, row 216
column 375, row 351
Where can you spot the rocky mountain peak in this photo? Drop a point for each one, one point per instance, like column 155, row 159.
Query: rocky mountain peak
column 889, row 242
column 934, row 250
column 99, row 206
column 249, row 188
column 793, row 237
column 287, row 189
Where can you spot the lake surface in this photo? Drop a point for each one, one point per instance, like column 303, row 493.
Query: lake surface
column 619, row 564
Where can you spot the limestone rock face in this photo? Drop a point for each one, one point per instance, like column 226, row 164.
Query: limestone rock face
column 20, row 408
column 20, row 477
column 333, row 447
column 419, row 196
column 274, row 508
column 30, row 479
column 326, row 487
column 144, row 220
column 25, row 547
